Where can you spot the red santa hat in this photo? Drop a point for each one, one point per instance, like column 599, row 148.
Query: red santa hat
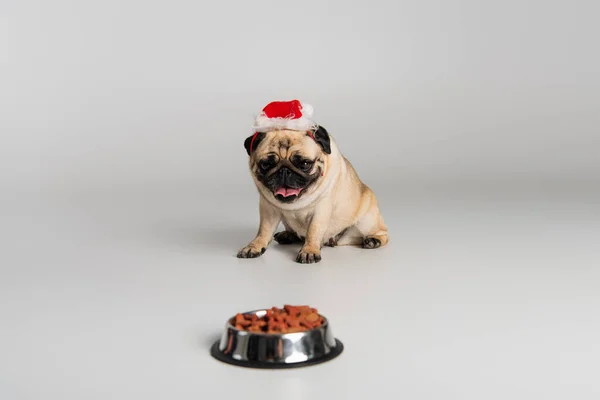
column 293, row 115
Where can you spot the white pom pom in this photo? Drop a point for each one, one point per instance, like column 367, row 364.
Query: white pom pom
column 307, row 110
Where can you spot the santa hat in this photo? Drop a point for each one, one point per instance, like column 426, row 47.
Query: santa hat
column 292, row 115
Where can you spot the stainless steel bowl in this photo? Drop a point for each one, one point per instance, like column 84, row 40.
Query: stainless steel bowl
column 287, row 350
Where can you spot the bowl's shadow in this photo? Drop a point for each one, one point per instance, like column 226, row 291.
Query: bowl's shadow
column 207, row 341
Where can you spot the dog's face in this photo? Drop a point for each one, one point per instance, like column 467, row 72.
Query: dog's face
column 287, row 165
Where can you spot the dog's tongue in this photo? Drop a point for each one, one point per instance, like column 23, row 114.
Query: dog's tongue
column 286, row 192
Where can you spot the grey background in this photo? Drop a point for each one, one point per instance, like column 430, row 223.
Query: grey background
column 122, row 92
column 124, row 195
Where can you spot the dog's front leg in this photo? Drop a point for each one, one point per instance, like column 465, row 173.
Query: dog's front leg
column 311, row 251
column 269, row 221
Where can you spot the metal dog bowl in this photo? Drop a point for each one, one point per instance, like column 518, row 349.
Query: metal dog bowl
column 286, row 350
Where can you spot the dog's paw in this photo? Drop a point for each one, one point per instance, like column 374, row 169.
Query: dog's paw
column 307, row 256
column 251, row 251
column 332, row 242
column 371, row 243
column 286, row 237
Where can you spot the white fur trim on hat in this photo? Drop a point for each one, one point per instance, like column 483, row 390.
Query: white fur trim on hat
column 262, row 123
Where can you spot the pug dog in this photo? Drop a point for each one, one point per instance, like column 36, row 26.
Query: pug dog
column 305, row 183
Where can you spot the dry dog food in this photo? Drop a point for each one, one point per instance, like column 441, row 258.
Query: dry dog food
column 288, row 319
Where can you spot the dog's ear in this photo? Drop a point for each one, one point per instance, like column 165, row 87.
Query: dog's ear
column 249, row 145
column 322, row 138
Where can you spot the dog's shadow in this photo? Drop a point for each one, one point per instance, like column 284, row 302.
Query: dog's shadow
column 198, row 237
column 226, row 240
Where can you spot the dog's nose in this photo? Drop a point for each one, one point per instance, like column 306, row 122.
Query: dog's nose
column 284, row 172
column 285, row 176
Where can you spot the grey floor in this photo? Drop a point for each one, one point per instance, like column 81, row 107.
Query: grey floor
column 481, row 294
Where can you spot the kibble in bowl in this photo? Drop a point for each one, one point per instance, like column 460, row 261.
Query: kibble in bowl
column 289, row 319
column 292, row 336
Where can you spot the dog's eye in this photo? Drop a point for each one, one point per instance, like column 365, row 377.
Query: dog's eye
column 306, row 165
column 264, row 165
